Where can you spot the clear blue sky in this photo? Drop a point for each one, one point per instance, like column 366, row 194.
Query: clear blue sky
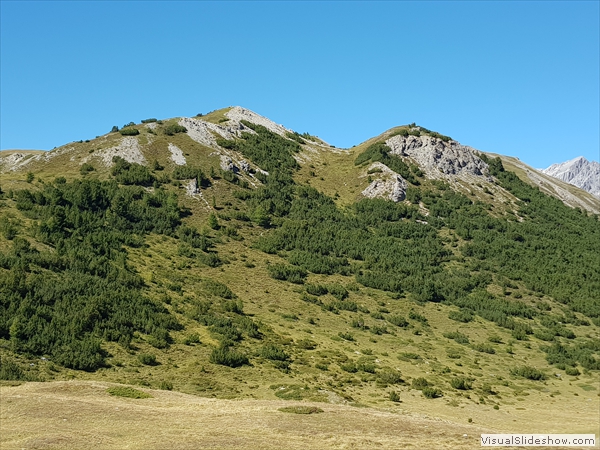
column 517, row 78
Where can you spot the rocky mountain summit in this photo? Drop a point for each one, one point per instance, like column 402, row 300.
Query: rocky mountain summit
column 410, row 150
column 436, row 156
column 579, row 172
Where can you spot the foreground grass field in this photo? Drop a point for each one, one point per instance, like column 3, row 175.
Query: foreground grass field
column 79, row 414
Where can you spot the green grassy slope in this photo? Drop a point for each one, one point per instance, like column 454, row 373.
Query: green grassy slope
column 296, row 289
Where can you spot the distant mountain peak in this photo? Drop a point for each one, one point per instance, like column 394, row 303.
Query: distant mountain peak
column 579, row 172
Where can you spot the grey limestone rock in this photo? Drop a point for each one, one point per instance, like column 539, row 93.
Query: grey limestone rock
column 579, row 172
column 389, row 184
column 434, row 156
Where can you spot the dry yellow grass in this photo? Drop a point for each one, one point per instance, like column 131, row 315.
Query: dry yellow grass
column 79, row 414
column 82, row 415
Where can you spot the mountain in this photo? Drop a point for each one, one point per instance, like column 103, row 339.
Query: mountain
column 228, row 256
column 579, row 172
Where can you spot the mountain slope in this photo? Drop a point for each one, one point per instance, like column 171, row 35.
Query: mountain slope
column 228, row 256
column 579, row 172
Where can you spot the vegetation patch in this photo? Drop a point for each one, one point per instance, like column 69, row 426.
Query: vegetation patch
column 122, row 391
column 225, row 356
column 80, row 289
column 173, row 129
column 531, row 373
column 301, row 410
column 129, row 131
column 460, row 383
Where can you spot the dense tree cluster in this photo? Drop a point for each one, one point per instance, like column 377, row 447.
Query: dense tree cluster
column 64, row 301
column 555, row 250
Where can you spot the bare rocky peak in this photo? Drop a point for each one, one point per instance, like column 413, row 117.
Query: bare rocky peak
column 579, row 172
column 436, row 157
column 204, row 132
column 237, row 114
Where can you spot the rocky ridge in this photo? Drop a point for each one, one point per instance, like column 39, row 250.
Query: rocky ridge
column 579, row 172
column 438, row 159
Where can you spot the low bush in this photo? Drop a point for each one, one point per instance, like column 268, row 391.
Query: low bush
column 121, row 391
column 366, row 366
column 349, row 367
column 346, row 336
column 407, row 356
column 460, row 383
column 419, row 383
column 225, row 356
column 316, row 289
column 457, row 336
column 338, row 291
column 9, row 370
column 430, row 392
column 378, row 329
column 484, row 348
column 217, row 289
column 461, row 315
column 173, row 129
column 289, row 273
column 193, row 338
column 531, row 373
column 86, row 168
column 413, row 315
column 306, row 344
column 388, row 376
column 210, row 259
column 572, row 371
column 394, row 397
column 146, row 359
column 129, row 131
column 399, row 321
column 190, row 172
column 274, row 353
column 131, row 173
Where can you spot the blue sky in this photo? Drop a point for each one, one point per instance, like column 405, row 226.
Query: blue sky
column 516, row 78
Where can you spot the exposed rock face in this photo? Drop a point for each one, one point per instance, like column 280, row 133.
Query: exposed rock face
column 389, row 184
column 12, row 161
column 204, row 132
column 435, row 156
column 228, row 165
column 192, row 187
column 245, row 166
column 579, row 172
column 237, row 114
column 177, row 155
column 128, row 149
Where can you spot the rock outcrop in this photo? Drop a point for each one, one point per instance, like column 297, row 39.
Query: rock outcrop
column 128, row 149
column 388, row 184
column 177, row 155
column 435, row 157
column 237, row 114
